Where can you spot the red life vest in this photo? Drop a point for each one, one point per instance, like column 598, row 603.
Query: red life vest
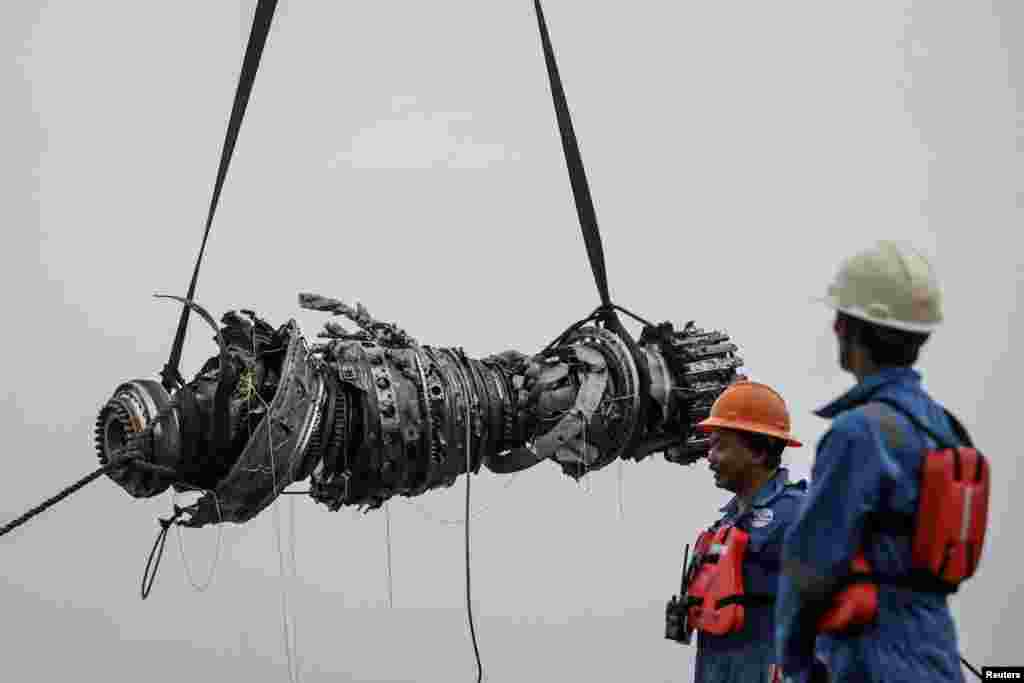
column 715, row 595
column 948, row 534
column 700, row 575
column 856, row 604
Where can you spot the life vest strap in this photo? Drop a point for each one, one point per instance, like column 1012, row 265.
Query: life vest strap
column 747, row 600
column 919, row 581
column 958, row 429
column 892, row 523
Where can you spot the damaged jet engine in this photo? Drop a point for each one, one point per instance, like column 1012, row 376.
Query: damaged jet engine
column 369, row 414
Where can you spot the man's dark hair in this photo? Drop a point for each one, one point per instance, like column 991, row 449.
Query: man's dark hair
column 885, row 346
column 771, row 447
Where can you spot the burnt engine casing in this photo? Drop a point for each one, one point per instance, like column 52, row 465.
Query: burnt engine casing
column 371, row 414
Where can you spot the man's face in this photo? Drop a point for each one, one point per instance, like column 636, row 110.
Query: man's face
column 730, row 459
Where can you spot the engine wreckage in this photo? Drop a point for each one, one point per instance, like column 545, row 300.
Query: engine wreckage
column 370, row 414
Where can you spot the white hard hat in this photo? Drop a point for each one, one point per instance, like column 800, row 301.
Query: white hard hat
column 891, row 285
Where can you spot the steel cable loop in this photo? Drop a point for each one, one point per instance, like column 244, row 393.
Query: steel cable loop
column 157, row 551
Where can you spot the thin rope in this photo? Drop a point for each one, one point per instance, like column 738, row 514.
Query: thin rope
column 618, row 490
column 387, row 534
column 293, row 674
column 294, row 575
column 469, row 602
column 292, row 536
column 156, row 553
column 290, row 643
column 585, row 482
column 458, row 522
column 216, row 556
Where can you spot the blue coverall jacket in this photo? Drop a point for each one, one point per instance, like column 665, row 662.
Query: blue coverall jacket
column 868, row 462
column 747, row 655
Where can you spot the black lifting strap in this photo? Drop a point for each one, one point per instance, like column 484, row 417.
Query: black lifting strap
column 250, row 65
column 577, row 175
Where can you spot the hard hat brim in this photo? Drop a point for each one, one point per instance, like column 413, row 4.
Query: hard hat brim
column 832, row 302
column 713, row 423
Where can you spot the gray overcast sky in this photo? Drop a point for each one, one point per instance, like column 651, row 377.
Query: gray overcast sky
column 405, row 155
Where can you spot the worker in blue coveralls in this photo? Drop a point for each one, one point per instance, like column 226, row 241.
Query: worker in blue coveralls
column 749, row 429
column 866, row 470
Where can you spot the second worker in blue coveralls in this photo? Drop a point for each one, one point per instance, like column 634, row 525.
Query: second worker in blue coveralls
column 732, row 582
column 860, row 514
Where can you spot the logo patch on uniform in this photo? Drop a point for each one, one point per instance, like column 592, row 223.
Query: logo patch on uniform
column 762, row 517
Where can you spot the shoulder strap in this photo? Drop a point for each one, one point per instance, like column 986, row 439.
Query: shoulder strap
column 958, row 428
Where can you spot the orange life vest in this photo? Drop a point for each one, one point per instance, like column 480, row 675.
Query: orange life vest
column 700, row 576
column 715, row 594
column 856, row 604
column 948, row 534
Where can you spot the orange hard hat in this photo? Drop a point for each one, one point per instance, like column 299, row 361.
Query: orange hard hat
column 750, row 407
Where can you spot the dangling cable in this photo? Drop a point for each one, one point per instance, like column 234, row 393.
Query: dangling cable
column 293, row 574
column 387, row 534
column 618, row 490
column 289, row 631
column 216, row 554
column 469, row 602
column 157, row 552
column 458, row 522
column 585, row 481
column 60, row 495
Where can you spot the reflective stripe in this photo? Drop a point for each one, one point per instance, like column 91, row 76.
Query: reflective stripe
column 966, row 517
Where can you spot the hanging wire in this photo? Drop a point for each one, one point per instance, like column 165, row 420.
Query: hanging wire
column 199, row 588
column 618, row 489
column 289, row 631
column 469, row 602
column 293, row 575
column 387, row 533
column 585, row 482
column 458, row 522
column 156, row 554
